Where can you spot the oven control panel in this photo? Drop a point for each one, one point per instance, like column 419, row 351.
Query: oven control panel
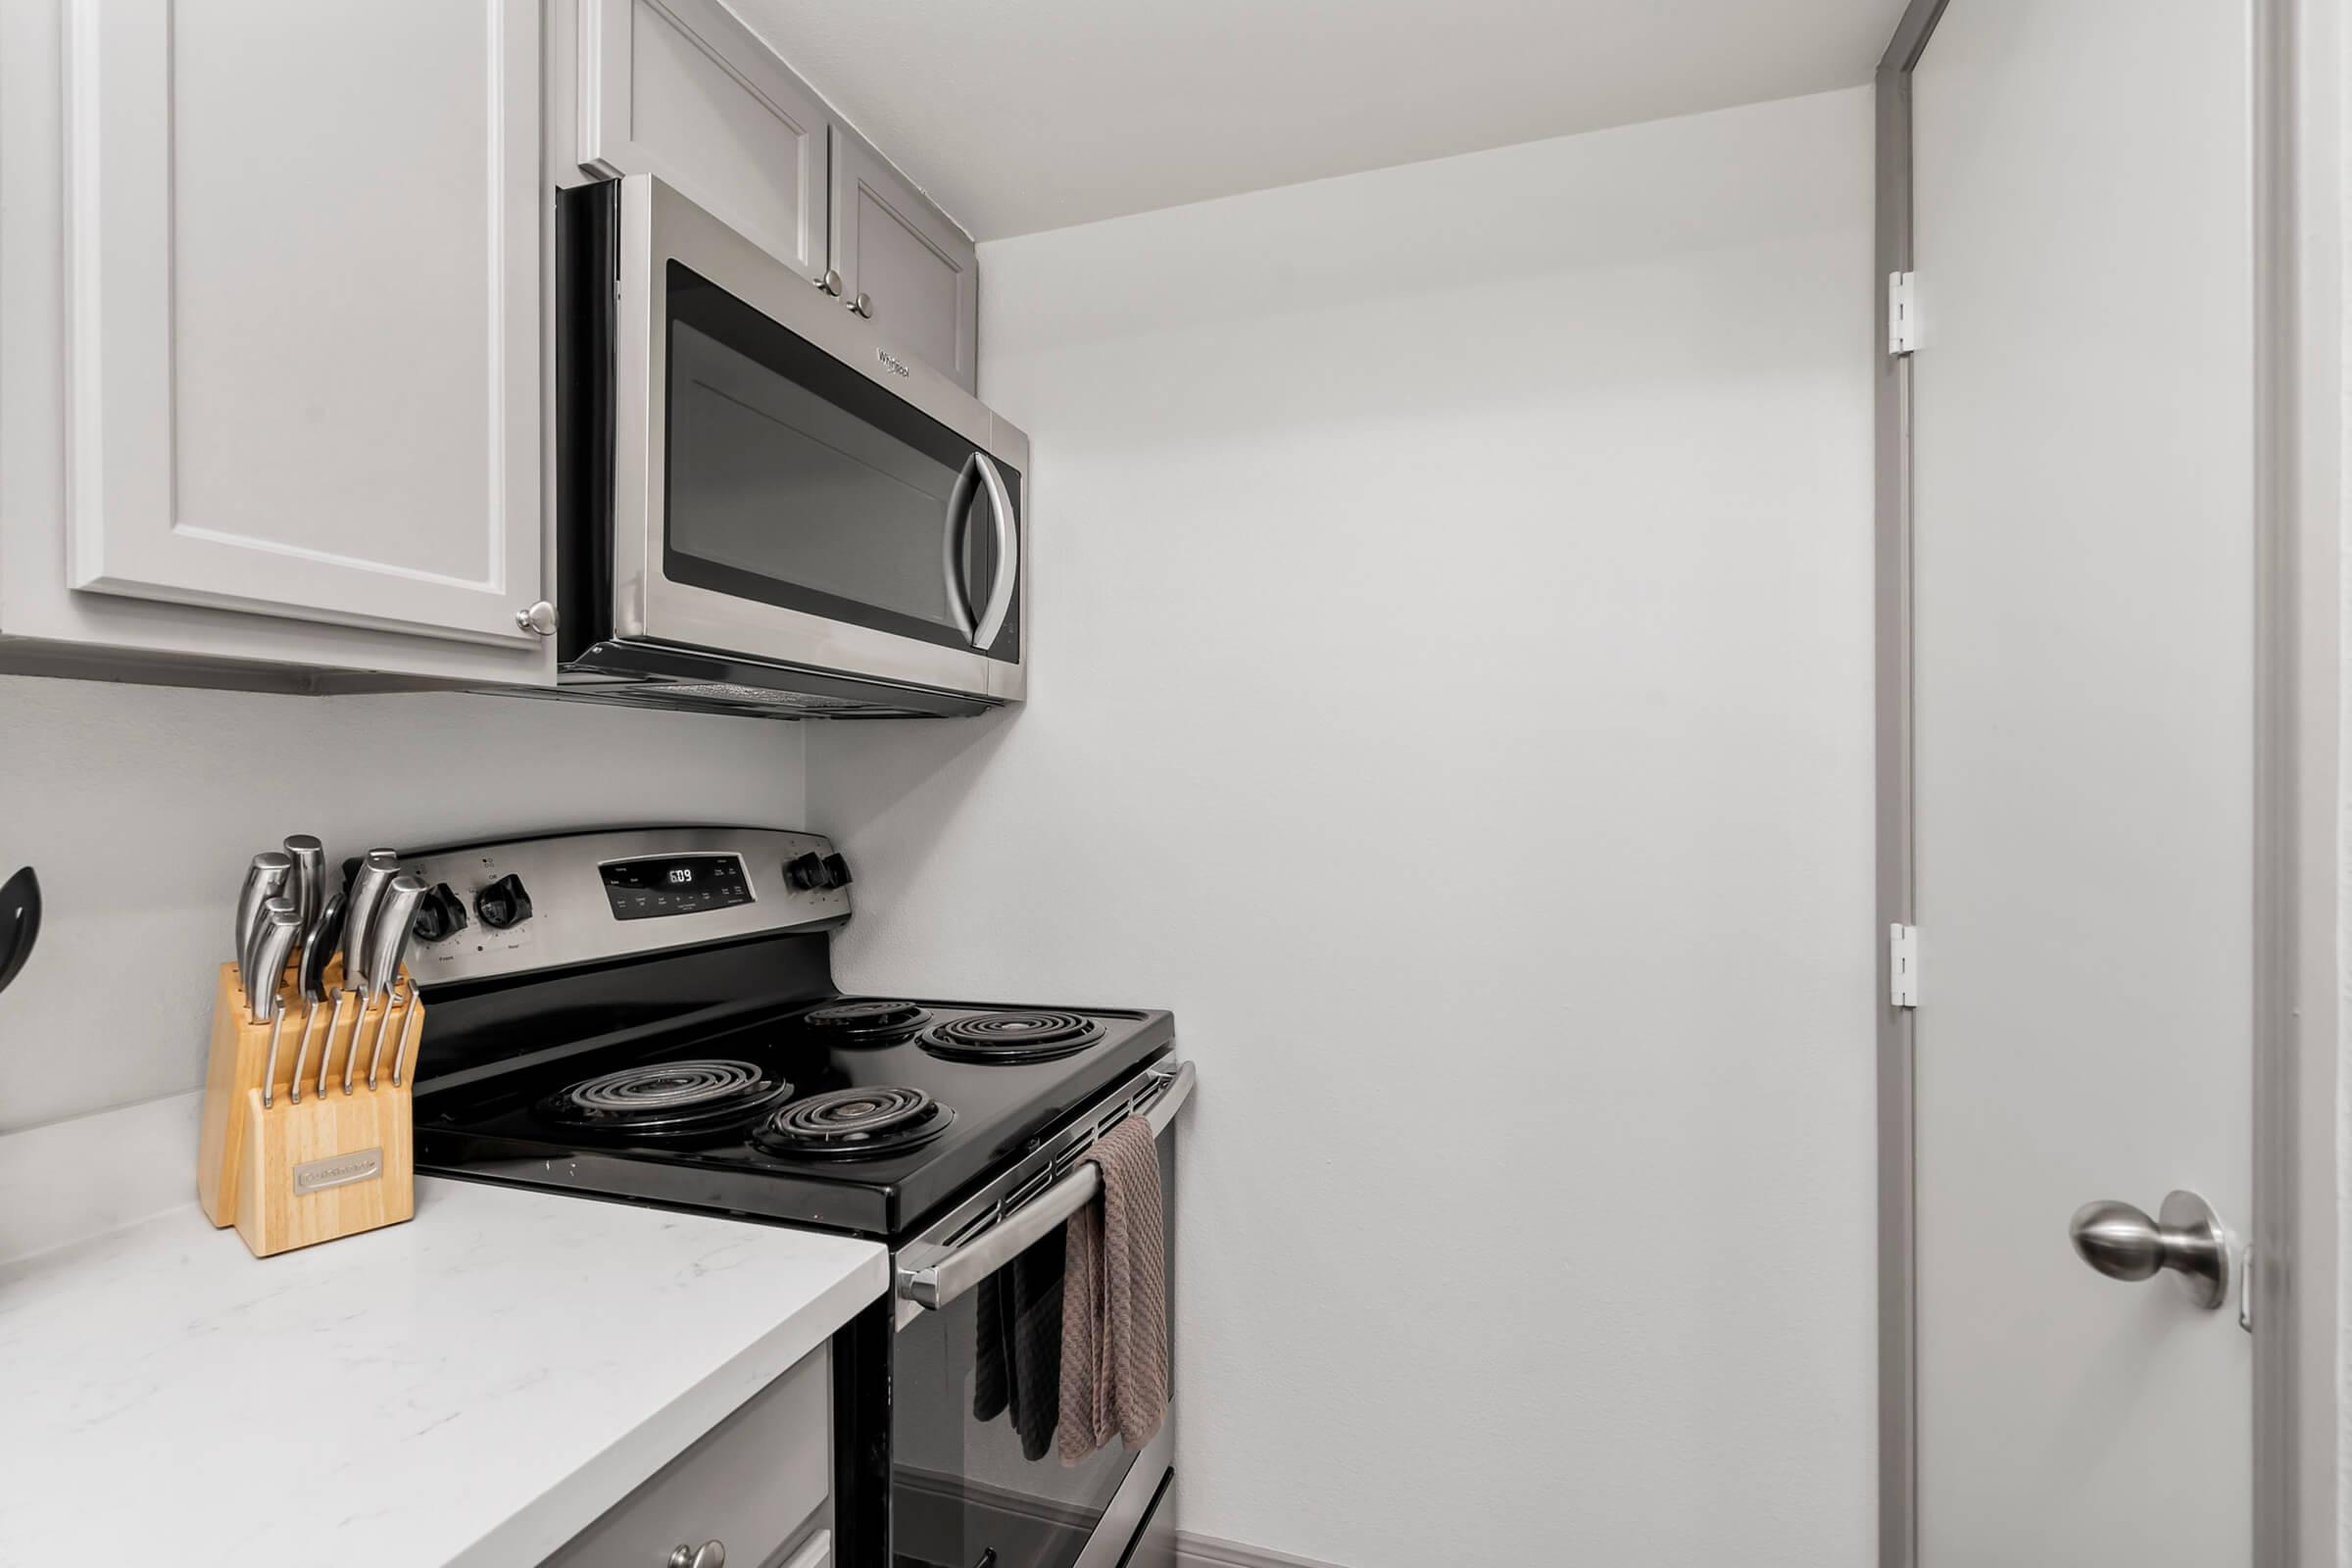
column 674, row 884
column 517, row 905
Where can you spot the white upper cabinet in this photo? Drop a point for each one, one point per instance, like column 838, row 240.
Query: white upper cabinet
column 680, row 89
column 276, row 295
column 903, row 263
column 302, row 343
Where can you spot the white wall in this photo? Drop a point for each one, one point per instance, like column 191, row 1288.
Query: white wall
column 1452, row 696
column 141, row 806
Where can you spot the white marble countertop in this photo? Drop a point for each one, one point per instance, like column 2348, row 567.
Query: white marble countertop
column 469, row 1388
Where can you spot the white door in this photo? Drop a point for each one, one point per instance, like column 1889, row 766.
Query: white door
column 304, row 279
column 2084, row 595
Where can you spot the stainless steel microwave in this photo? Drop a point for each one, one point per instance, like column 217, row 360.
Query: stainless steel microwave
column 761, row 506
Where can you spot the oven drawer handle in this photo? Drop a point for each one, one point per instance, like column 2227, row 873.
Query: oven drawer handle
column 958, row 1272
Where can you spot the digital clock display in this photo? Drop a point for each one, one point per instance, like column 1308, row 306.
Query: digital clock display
column 680, row 884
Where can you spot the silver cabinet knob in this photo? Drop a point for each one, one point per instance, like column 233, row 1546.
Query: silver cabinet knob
column 709, row 1554
column 829, row 280
column 539, row 619
column 2122, row 1243
column 863, row 304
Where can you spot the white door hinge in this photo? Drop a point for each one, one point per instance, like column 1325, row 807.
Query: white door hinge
column 1903, row 313
column 1902, row 965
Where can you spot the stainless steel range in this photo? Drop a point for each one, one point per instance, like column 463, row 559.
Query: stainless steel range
column 649, row 1015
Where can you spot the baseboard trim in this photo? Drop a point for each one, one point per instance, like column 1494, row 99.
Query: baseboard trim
column 1207, row 1552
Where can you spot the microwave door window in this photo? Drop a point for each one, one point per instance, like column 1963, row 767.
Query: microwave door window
column 778, row 494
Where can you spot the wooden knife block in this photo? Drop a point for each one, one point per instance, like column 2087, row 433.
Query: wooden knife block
column 297, row 1172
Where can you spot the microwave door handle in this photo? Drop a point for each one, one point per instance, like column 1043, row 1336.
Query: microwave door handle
column 1009, row 555
column 951, row 548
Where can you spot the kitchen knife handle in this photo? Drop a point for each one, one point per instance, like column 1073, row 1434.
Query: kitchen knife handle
column 388, row 936
column 310, row 879
column 253, row 965
column 269, row 951
column 264, row 879
column 368, row 887
column 387, row 940
column 318, row 941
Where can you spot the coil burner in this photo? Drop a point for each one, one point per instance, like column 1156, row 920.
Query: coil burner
column 1013, row 1037
column 667, row 1098
column 867, row 1021
column 856, row 1123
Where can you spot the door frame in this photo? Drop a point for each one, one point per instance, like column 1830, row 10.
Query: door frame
column 2296, row 223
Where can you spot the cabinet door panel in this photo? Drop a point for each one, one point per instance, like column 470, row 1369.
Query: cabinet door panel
column 304, row 309
column 759, row 1482
column 680, row 89
column 916, row 267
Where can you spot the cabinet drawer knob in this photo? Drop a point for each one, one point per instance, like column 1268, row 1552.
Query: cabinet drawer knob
column 540, row 618
column 709, row 1554
column 863, row 305
column 829, row 280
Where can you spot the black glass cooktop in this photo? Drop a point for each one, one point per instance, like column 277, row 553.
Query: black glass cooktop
column 861, row 1114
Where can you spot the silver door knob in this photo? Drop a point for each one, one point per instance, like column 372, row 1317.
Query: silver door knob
column 863, row 304
column 2186, row 1237
column 540, row 618
column 709, row 1554
column 829, row 280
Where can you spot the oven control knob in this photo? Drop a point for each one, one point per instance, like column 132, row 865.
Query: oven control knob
column 440, row 914
column 503, row 903
column 836, row 873
column 804, row 873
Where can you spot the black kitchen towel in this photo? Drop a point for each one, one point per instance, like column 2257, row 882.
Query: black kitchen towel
column 1017, row 1356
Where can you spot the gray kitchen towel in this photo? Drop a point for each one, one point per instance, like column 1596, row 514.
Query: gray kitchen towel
column 1114, row 1302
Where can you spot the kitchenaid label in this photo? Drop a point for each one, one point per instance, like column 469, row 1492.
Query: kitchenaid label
column 338, row 1170
column 896, row 368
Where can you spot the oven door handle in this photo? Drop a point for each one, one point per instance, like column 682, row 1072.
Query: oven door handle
column 951, row 545
column 1009, row 555
column 952, row 1276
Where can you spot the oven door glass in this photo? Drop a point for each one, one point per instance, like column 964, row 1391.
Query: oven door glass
column 793, row 480
column 976, row 1464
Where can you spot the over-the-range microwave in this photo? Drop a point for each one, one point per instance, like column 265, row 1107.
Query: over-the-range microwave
column 761, row 508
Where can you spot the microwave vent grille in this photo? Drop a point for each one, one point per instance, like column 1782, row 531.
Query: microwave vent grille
column 719, row 691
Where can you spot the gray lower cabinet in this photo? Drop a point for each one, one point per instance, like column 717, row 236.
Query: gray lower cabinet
column 904, row 264
column 756, row 1492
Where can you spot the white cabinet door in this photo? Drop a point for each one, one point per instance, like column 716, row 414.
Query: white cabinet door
column 904, row 264
column 682, row 90
column 759, row 1482
column 303, row 288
